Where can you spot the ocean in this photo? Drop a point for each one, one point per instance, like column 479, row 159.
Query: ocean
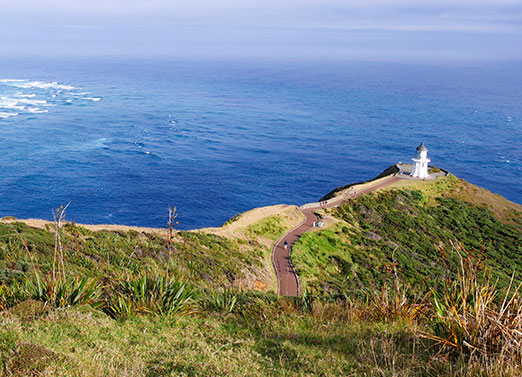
column 123, row 140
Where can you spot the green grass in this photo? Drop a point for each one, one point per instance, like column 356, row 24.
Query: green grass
column 399, row 227
column 91, row 344
column 272, row 338
column 204, row 259
column 271, row 227
column 116, row 314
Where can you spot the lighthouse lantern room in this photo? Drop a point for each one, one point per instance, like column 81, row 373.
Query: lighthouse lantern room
column 420, row 163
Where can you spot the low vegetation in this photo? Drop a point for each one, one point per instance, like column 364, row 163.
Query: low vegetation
column 407, row 282
column 204, row 259
column 399, row 229
column 229, row 332
column 271, row 227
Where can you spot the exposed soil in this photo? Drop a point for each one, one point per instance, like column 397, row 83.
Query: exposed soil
column 41, row 224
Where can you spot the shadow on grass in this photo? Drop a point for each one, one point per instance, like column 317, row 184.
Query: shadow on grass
column 368, row 351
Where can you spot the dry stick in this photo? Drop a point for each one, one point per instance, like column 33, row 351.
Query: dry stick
column 58, row 216
column 171, row 223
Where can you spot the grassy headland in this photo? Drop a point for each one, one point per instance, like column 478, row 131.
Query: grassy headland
column 410, row 228
column 397, row 284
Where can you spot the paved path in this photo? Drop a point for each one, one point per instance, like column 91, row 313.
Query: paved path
column 287, row 279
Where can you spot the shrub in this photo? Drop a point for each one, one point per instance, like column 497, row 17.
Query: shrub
column 10, row 295
column 30, row 360
column 29, row 309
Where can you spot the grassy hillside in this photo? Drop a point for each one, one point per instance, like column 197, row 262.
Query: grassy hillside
column 409, row 229
column 452, row 187
column 263, row 339
column 131, row 303
column 206, row 260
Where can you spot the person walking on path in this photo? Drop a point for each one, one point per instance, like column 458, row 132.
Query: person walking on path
column 286, row 244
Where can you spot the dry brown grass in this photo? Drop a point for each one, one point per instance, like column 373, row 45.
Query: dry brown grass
column 44, row 224
column 469, row 320
column 29, row 360
column 394, row 303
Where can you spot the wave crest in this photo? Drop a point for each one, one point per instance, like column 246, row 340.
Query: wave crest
column 30, row 96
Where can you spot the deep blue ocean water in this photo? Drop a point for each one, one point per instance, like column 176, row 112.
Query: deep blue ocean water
column 122, row 139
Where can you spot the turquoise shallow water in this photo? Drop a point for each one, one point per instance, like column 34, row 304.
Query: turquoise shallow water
column 122, row 140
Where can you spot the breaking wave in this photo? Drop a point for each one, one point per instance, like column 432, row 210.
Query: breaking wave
column 22, row 96
column 26, row 84
column 4, row 115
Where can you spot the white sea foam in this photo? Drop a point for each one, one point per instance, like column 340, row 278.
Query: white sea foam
column 32, row 97
column 21, row 103
column 10, row 103
column 4, row 115
column 26, row 84
column 36, row 102
column 44, row 85
column 37, row 110
column 12, row 80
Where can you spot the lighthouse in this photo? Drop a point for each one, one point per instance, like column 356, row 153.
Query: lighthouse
column 420, row 162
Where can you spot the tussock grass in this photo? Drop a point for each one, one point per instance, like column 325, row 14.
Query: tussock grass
column 69, row 291
column 243, row 334
column 222, row 301
column 398, row 302
column 471, row 320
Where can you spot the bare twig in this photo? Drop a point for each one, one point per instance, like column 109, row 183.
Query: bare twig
column 171, row 223
column 59, row 216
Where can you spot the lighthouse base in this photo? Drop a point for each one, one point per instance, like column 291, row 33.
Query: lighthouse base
column 420, row 168
column 406, row 169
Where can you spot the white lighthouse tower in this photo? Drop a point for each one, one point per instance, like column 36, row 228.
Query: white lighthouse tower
column 420, row 163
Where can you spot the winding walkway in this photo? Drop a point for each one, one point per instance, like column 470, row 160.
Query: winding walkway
column 287, row 279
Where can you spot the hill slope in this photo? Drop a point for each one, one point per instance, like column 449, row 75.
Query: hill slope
column 222, row 325
column 411, row 226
